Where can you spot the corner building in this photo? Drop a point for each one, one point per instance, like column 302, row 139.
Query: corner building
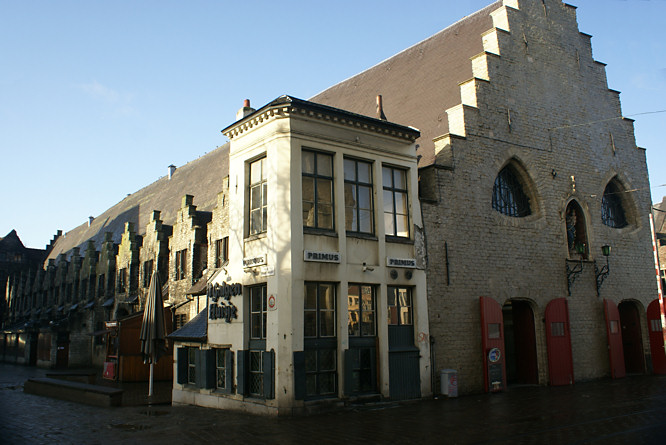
column 323, row 296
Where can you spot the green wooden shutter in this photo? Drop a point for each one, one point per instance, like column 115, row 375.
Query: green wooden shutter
column 268, row 358
column 181, row 365
column 241, row 375
column 205, row 368
column 299, row 375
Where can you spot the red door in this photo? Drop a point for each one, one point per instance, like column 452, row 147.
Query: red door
column 615, row 350
column 656, row 338
column 558, row 340
column 492, row 334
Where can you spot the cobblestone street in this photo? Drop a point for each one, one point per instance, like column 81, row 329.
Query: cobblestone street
column 626, row 411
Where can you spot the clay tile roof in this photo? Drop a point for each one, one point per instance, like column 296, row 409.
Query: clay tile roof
column 419, row 83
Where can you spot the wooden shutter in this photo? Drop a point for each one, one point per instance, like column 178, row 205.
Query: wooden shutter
column 229, row 368
column 181, row 365
column 268, row 359
column 300, row 388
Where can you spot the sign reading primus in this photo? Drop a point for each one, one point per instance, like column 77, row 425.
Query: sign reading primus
column 321, row 257
column 401, row 262
column 254, row 261
column 219, row 306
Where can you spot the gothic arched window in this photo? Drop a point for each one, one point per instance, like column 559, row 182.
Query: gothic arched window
column 612, row 211
column 576, row 231
column 509, row 197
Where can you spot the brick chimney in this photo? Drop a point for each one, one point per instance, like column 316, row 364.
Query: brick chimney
column 245, row 111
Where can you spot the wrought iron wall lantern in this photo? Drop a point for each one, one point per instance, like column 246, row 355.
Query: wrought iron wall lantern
column 577, row 269
column 602, row 273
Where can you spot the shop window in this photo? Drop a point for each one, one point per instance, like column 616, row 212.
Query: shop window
column 147, row 273
column 181, row 264
column 317, row 185
column 361, row 310
column 612, row 210
column 509, row 196
column 320, row 355
column 221, row 251
column 358, row 197
column 576, row 231
column 396, row 208
column 258, row 197
column 400, row 306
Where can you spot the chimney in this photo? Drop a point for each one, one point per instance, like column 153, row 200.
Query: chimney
column 245, row 111
column 172, row 168
column 90, row 220
column 380, row 108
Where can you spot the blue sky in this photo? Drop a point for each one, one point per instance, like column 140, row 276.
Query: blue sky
column 97, row 98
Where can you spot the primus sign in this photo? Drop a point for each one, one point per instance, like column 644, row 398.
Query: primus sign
column 219, row 304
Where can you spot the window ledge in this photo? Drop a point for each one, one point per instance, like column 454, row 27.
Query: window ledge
column 255, row 237
column 367, row 236
column 322, row 232
column 398, row 240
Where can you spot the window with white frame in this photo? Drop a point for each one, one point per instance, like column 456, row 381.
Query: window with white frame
column 258, row 197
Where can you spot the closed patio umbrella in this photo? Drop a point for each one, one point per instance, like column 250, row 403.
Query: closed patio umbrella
column 153, row 331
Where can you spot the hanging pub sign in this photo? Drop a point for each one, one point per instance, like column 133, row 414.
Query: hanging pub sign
column 220, row 306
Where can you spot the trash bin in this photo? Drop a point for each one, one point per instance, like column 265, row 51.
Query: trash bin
column 449, row 382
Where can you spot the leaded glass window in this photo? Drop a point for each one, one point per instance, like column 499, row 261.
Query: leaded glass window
column 221, row 368
column 509, row 197
column 612, row 212
column 256, row 376
column 320, row 341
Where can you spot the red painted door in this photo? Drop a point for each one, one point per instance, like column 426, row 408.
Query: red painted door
column 614, row 335
column 656, row 338
column 558, row 341
column 492, row 334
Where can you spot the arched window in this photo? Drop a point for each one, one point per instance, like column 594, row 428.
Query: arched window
column 612, row 211
column 509, row 197
column 576, row 231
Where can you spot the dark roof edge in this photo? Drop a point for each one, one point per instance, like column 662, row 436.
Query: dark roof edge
column 313, row 106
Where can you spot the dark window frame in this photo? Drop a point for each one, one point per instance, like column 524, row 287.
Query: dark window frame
column 260, row 186
column 221, row 251
column 353, row 207
column 393, row 190
column 318, row 178
column 180, row 264
column 509, row 195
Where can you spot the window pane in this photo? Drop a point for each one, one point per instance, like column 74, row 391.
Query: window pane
column 350, row 170
column 364, row 197
column 325, row 216
column 310, row 296
column 310, row 324
column 324, row 191
column 255, row 197
column 399, row 179
column 401, row 203
column 307, row 162
column 326, row 297
column 388, row 201
column 324, row 165
column 389, row 224
column 327, row 360
column 310, row 361
column 365, row 221
column 387, row 177
column 327, row 324
column 364, row 172
column 402, row 223
column 256, row 171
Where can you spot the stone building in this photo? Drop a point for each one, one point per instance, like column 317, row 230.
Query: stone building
column 533, row 213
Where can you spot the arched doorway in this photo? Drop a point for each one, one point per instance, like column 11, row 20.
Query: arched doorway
column 520, row 343
column 632, row 340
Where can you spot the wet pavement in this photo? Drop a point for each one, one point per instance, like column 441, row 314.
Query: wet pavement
column 626, row 411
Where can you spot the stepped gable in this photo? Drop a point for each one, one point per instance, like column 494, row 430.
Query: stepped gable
column 660, row 216
column 201, row 178
column 419, row 83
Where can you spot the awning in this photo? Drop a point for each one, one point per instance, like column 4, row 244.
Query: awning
column 73, row 307
column 134, row 299
column 108, row 303
column 61, row 308
column 89, row 305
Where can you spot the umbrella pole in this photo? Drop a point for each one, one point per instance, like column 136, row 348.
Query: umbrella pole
column 150, row 382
